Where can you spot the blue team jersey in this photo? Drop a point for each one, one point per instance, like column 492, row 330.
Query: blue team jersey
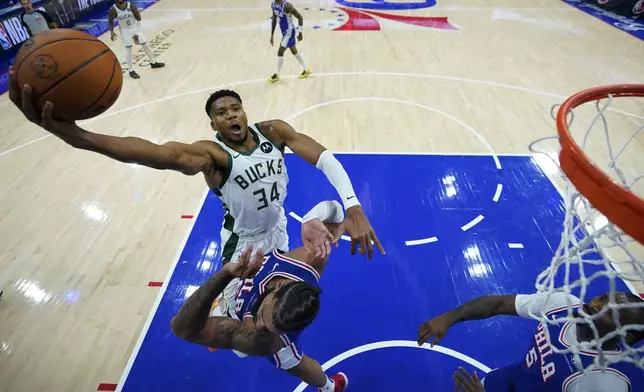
column 285, row 19
column 275, row 265
column 543, row 370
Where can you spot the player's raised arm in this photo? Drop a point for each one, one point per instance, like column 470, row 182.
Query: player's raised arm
column 193, row 322
column 476, row 309
column 189, row 159
column 110, row 21
column 356, row 223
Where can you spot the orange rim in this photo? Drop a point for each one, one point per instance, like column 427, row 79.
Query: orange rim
column 619, row 205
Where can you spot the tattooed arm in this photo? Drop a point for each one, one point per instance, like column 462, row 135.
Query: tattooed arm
column 193, row 323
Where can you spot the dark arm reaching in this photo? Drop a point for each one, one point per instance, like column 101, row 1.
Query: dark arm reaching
column 476, row 309
column 194, row 324
column 293, row 11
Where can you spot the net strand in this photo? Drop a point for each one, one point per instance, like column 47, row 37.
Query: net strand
column 587, row 239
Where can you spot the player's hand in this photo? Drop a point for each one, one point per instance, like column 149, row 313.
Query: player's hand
column 247, row 265
column 359, row 229
column 436, row 328
column 299, row 37
column 465, row 382
column 113, row 36
column 316, row 238
column 271, row 41
column 21, row 97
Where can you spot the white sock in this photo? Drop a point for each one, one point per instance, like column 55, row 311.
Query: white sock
column 280, row 61
column 148, row 52
column 329, row 386
column 299, row 58
column 128, row 53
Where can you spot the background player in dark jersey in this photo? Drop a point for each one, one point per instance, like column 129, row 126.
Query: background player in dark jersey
column 277, row 298
column 284, row 11
column 542, row 369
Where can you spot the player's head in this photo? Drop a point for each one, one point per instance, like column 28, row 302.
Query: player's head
column 26, row 4
column 120, row 1
column 290, row 307
column 227, row 116
column 605, row 323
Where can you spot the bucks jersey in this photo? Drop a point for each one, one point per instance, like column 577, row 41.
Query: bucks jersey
column 126, row 18
column 253, row 190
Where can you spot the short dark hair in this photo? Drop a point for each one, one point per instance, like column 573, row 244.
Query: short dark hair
column 220, row 94
column 296, row 305
column 635, row 315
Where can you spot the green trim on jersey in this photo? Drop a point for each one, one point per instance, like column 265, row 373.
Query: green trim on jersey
column 270, row 139
column 228, row 169
column 233, row 240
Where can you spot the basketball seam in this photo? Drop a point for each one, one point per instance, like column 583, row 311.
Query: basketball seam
column 109, row 83
column 53, row 42
column 73, row 71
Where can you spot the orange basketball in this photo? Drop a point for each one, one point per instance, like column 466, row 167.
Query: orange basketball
column 78, row 73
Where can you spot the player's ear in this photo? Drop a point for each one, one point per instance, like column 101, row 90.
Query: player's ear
column 213, row 126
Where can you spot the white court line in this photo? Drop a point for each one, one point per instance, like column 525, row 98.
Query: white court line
column 24, row 145
column 157, row 302
column 515, row 245
column 299, row 219
column 424, row 76
column 396, row 343
column 410, row 103
column 473, row 223
column 421, row 241
column 497, row 194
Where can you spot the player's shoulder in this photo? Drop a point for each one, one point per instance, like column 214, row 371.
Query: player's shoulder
column 275, row 130
column 530, row 305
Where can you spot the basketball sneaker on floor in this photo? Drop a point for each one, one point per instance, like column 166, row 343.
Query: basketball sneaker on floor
column 157, row 65
column 274, row 78
column 341, row 382
column 134, row 75
column 305, row 74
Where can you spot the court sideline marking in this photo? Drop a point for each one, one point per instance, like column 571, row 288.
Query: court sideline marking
column 157, row 302
column 250, row 81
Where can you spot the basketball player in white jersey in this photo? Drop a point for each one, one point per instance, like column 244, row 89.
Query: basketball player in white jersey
column 284, row 11
column 543, row 370
column 244, row 166
column 129, row 20
column 279, row 298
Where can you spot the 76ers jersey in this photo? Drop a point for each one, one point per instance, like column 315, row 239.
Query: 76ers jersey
column 542, row 369
column 275, row 265
column 255, row 188
column 285, row 19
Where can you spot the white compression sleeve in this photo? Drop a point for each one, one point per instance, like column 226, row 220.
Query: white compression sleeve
column 327, row 211
column 339, row 178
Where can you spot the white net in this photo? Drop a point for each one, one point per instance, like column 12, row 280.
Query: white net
column 595, row 257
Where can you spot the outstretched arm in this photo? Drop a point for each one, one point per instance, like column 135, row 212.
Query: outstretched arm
column 110, row 22
column 356, row 224
column 189, row 159
column 193, row 323
column 476, row 309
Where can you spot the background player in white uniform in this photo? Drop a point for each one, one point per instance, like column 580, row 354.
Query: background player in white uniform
column 543, row 370
column 129, row 20
column 279, row 298
column 241, row 167
column 284, row 11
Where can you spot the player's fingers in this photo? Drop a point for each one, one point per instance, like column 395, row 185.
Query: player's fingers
column 328, row 248
column 363, row 245
column 476, row 377
column 375, row 239
column 28, row 105
column 14, row 89
column 354, row 245
column 465, row 376
column 369, row 247
column 47, row 120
